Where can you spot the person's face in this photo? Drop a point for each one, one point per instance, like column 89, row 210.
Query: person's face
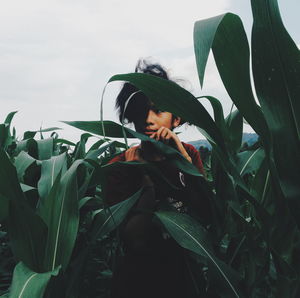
column 153, row 119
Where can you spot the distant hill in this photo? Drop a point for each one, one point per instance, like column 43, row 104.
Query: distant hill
column 249, row 138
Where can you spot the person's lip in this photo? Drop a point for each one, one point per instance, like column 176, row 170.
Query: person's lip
column 150, row 131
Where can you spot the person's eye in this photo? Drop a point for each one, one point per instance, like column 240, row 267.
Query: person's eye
column 157, row 111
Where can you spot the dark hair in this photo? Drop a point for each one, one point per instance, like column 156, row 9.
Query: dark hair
column 138, row 100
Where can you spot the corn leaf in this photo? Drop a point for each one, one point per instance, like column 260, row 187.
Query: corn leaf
column 109, row 219
column 22, row 162
column 276, row 70
column 45, row 148
column 170, row 97
column 250, row 161
column 60, row 212
column 191, row 235
column 234, row 123
column 49, row 171
column 111, row 128
column 26, row 229
column 29, row 284
column 225, row 35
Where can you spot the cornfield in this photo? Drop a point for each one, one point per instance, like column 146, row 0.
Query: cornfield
column 59, row 238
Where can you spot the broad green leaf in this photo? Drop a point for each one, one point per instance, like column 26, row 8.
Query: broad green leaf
column 276, row 71
column 172, row 155
column 22, row 162
column 249, row 161
column 225, row 35
column 191, row 235
column 170, row 97
column 60, row 212
column 45, row 148
column 49, row 171
column 26, row 229
column 110, row 218
column 29, row 284
column 111, row 128
column 234, row 123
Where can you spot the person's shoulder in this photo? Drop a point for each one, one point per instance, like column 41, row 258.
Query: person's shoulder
column 189, row 147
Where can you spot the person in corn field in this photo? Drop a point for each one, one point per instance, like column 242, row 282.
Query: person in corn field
column 153, row 264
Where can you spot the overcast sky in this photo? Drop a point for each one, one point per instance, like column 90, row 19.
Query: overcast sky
column 56, row 56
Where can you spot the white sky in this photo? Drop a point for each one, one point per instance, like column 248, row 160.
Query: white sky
column 56, row 56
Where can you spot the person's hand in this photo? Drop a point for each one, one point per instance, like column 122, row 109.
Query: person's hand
column 134, row 154
column 165, row 135
column 168, row 137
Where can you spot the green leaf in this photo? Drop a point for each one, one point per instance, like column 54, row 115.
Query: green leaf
column 83, row 201
column 260, row 186
column 45, row 148
column 26, row 229
column 111, row 128
column 94, row 154
column 172, row 155
column 218, row 113
column 22, row 162
column 60, row 212
column 3, row 134
column 49, row 171
column 29, row 284
column 225, row 35
column 63, row 141
column 191, row 235
column 9, row 118
column 109, row 219
column 250, row 161
column 170, row 97
column 234, row 122
column 276, row 71
column 31, row 134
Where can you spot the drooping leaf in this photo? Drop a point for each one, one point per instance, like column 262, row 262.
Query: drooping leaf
column 172, row 155
column 191, row 235
column 9, row 118
column 29, row 284
column 276, row 71
column 110, row 218
column 111, row 128
column 225, row 35
column 170, row 97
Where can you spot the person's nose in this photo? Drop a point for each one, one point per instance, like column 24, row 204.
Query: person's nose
column 150, row 120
